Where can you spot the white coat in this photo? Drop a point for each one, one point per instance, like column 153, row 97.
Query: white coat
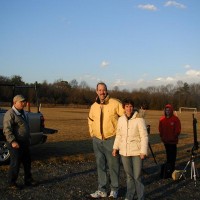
column 132, row 136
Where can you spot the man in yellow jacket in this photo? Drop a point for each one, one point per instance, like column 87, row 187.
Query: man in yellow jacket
column 102, row 121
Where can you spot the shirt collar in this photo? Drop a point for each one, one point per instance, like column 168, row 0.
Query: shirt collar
column 15, row 110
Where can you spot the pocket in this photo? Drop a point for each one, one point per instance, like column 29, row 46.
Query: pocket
column 134, row 147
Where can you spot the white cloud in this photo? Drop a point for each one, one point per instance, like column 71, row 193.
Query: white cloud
column 190, row 76
column 175, row 4
column 104, row 63
column 168, row 79
column 187, row 66
column 89, row 76
column 159, row 79
column 147, row 7
column 165, row 79
column 193, row 73
column 140, row 81
column 144, row 81
column 119, row 82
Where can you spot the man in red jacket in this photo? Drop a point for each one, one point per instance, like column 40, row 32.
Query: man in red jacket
column 170, row 128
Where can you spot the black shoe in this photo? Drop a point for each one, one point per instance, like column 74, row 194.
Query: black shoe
column 31, row 183
column 15, row 186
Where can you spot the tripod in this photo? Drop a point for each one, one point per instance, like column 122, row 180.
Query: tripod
column 194, row 172
column 152, row 153
column 148, row 130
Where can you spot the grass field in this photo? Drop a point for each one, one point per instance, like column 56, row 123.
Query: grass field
column 72, row 142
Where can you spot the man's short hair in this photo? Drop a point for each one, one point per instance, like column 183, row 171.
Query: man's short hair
column 101, row 83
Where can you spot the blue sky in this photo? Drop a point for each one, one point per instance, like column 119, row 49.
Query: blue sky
column 125, row 43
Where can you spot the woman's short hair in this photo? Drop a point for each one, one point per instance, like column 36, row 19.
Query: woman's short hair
column 127, row 101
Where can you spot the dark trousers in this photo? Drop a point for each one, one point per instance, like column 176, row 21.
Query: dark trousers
column 171, row 152
column 18, row 156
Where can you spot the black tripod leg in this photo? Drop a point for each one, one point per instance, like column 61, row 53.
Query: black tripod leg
column 152, row 154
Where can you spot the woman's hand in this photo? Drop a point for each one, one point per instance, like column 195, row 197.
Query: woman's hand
column 114, row 152
column 142, row 156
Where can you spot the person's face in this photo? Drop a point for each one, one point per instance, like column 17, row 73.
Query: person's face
column 128, row 108
column 101, row 92
column 167, row 112
column 20, row 104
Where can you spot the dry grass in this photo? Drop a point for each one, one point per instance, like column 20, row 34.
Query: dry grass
column 72, row 142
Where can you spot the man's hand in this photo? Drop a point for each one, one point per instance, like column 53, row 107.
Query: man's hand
column 15, row 145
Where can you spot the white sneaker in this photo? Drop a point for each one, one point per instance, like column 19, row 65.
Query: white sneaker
column 113, row 194
column 98, row 194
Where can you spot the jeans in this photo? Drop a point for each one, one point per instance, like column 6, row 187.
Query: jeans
column 106, row 163
column 18, row 156
column 133, row 169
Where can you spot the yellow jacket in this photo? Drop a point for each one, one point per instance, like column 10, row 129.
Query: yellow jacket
column 112, row 109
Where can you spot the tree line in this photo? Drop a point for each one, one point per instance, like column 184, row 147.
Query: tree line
column 73, row 93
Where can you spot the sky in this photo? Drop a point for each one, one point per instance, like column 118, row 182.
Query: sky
column 130, row 44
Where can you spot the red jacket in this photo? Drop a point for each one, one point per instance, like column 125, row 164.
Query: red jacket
column 169, row 127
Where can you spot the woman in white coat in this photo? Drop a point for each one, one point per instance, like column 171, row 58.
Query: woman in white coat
column 132, row 143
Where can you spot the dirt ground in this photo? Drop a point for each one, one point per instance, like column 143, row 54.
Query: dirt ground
column 65, row 166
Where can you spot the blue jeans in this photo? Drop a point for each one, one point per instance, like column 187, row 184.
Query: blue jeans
column 133, row 169
column 106, row 163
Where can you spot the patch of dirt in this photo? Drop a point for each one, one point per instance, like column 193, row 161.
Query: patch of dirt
column 75, row 180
